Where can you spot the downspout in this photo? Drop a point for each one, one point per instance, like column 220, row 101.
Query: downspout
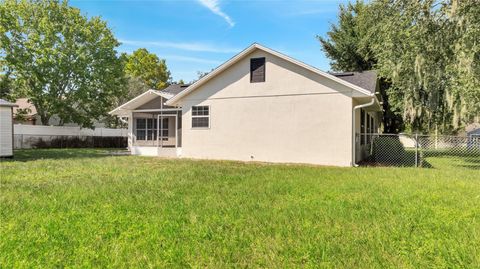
column 355, row 108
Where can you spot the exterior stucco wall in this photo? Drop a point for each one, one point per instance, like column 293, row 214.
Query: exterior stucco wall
column 296, row 116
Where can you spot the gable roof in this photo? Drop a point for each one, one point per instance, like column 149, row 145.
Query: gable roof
column 366, row 79
column 136, row 102
column 147, row 96
column 251, row 48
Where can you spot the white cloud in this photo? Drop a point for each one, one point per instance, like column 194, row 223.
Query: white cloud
column 195, row 46
column 214, row 6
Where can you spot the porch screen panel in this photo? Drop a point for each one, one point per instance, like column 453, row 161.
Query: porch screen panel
column 141, row 128
column 151, row 129
column 164, row 129
column 146, row 129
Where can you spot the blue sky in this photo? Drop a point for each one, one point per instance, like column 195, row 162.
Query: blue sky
column 198, row 35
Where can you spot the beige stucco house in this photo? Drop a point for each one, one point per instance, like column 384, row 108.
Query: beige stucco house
column 260, row 105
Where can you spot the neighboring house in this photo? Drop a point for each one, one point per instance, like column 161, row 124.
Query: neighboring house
column 260, row 105
column 473, row 130
column 26, row 113
column 6, row 128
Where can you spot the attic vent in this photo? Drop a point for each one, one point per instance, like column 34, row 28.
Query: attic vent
column 257, row 69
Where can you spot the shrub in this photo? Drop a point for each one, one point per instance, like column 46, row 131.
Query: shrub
column 389, row 150
column 82, row 142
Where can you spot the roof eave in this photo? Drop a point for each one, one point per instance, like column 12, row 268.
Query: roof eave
column 122, row 107
column 173, row 101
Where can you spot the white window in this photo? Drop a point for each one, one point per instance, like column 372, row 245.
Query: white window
column 200, row 116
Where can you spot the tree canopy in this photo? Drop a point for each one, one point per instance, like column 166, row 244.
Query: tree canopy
column 65, row 63
column 428, row 51
column 344, row 44
column 148, row 67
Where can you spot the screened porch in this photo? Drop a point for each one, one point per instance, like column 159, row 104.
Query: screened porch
column 157, row 129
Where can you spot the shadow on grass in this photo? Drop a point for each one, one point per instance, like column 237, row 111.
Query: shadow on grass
column 25, row 155
column 470, row 162
column 389, row 151
column 460, row 157
column 405, row 158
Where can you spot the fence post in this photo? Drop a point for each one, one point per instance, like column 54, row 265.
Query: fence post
column 416, row 149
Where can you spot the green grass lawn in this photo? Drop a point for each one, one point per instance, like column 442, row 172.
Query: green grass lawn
column 86, row 208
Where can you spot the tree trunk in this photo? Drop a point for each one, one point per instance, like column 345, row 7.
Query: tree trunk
column 44, row 119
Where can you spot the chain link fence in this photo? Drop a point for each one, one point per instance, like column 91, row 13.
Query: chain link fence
column 414, row 150
column 24, row 141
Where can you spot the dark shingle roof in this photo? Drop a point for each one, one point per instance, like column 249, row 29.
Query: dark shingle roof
column 366, row 79
column 175, row 89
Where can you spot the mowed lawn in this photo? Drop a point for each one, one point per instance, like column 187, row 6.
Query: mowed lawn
column 87, row 208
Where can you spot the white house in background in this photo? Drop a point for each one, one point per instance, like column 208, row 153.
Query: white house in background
column 6, row 128
column 260, row 105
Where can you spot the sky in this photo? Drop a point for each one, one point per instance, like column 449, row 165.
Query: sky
column 199, row 35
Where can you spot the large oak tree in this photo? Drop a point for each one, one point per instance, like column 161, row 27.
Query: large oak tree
column 427, row 49
column 64, row 62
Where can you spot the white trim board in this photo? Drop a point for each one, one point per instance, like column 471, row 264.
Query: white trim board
column 144, row 95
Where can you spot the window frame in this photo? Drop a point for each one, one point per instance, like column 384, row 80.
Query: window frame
column 201, row 116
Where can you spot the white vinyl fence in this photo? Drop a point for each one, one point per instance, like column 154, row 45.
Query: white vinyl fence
column 31, row 136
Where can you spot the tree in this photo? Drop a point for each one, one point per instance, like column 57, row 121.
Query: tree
column 345, row 45
column 201, row 74
column 349, row 48
column 6, row 87
column 148, row 67
column 21, row 115
column 65, row 63
column 464, row 69
column 427, row 50
column 135, row 87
